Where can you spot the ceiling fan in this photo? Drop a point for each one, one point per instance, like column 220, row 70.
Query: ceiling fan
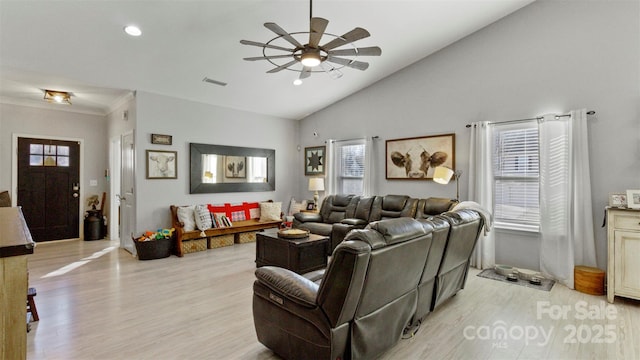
column 306, row 58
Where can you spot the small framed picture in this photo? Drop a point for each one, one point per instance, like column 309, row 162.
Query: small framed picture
column 162, row 164
column 314, row 160
column 633, row 199
column 618, row 200
column 161, row 139
column 310, row 205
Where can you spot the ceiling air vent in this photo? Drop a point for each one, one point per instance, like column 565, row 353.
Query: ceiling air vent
column 216, row 82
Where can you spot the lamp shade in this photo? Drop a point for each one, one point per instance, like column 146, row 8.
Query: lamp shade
column 316, row 184
column 442, row 175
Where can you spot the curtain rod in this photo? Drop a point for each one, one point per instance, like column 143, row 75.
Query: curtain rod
column 372, row 138
column 590, row 112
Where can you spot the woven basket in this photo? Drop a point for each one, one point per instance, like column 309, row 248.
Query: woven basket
column 246, row 237
column 195, row 245
column 153, row 249
column 220, row 241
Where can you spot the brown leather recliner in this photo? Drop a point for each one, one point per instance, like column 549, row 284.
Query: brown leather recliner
column 393, row 206
column 334, row 209
column 366, row 298
column 360, row 220
column 434, row 206
column 465, row 227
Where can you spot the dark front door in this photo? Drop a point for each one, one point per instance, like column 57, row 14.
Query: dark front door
column 49, row 187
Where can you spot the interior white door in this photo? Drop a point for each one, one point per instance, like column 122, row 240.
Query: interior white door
column 127, row 193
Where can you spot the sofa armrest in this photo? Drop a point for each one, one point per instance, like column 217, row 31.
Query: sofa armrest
column 355, row 222
column 307, row 217
column 287, row 283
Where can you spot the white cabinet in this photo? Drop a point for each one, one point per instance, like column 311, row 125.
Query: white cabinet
column 623, row 270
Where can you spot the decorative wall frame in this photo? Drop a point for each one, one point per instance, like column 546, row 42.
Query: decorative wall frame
column 618, row 200
column 161, row 139
column 415, row 158
column 633, row 199
column 162, row 164
column 235, row 167
column 315, row 160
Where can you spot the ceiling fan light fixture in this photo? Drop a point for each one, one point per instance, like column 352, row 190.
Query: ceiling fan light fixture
column 57, row 97
column 310, row 59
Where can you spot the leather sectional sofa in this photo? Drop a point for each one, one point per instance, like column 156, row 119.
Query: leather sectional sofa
column 381, row 281
column 340, row 214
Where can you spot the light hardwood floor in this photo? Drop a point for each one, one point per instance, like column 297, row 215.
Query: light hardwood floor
column 114, row 306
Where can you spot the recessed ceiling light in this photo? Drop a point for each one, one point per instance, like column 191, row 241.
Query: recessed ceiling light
column 133, row 30
column 297, row 82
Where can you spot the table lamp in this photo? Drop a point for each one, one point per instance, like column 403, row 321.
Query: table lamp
column 316, row 184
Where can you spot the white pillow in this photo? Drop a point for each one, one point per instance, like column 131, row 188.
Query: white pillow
column 203, row 217
column 295, row 207
column 185, row 216
column 270, row 211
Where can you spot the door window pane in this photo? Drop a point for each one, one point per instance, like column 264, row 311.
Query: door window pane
column 63, row 161
column 35, row 160
column 63, row 150
column 49, row 149
column 35, row 148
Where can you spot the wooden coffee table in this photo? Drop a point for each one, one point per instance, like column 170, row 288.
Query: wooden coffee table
column 299, row 255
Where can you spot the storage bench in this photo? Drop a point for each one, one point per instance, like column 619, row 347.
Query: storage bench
column 217, row 237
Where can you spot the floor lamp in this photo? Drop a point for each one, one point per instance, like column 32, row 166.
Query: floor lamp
column 442, row 175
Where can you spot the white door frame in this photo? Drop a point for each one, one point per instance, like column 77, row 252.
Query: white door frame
column 115, row 165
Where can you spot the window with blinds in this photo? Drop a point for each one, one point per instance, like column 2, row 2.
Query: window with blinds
column 516, row 175
column 350, row 174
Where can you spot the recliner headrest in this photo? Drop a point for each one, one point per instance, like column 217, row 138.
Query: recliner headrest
column 342, row 200
column 387, row 232
column 394, row 202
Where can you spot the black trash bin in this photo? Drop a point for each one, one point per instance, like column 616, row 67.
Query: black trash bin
column 93, row 225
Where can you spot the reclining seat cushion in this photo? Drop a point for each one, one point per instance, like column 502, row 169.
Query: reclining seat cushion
column 338, row 207
column 463, row 235
column 389, row 294
column 395, row 206
column 434, row 206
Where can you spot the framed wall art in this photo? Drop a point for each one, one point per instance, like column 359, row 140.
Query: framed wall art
column 162, row 164
column 618, row 200
column 315, row 160
column 415, row 158
column 161, row 139
column 633, row 199
column 235, row 167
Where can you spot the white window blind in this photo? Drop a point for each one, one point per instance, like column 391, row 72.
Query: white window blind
column 350, row 173
column 516, row 175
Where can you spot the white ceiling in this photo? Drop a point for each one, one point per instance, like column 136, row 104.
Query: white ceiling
column 80, row 46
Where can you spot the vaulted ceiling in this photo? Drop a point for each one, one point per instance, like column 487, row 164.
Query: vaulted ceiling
column 80, row 46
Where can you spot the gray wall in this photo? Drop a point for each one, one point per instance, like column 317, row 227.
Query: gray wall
column 551, row 56
column 47, row 123
column 188, row 122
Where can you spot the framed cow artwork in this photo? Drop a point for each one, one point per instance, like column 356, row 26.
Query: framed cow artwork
column 162, row 164
column 416, row 158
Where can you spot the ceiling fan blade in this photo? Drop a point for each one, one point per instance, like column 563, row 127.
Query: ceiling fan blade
column 360, row 65
column 317, row 28
column 353, row 35
column 282, row 67
column 267, row 57
column 306, row 72
column 329, row 69
column 365, row 51
column 285, row 35
column 255, row 43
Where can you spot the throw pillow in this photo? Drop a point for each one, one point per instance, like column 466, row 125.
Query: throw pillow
column 203, row 217
column 295, row 207
column 185, row 216
column 270, row 211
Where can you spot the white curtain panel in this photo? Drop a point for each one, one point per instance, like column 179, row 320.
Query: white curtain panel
column 330, row 170
column 368, row 186
column 566, row 220
column 481, row 189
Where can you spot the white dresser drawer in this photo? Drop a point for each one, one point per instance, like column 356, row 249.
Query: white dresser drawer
column 627, row 221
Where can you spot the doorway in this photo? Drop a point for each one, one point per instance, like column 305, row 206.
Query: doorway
column 48, row 179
